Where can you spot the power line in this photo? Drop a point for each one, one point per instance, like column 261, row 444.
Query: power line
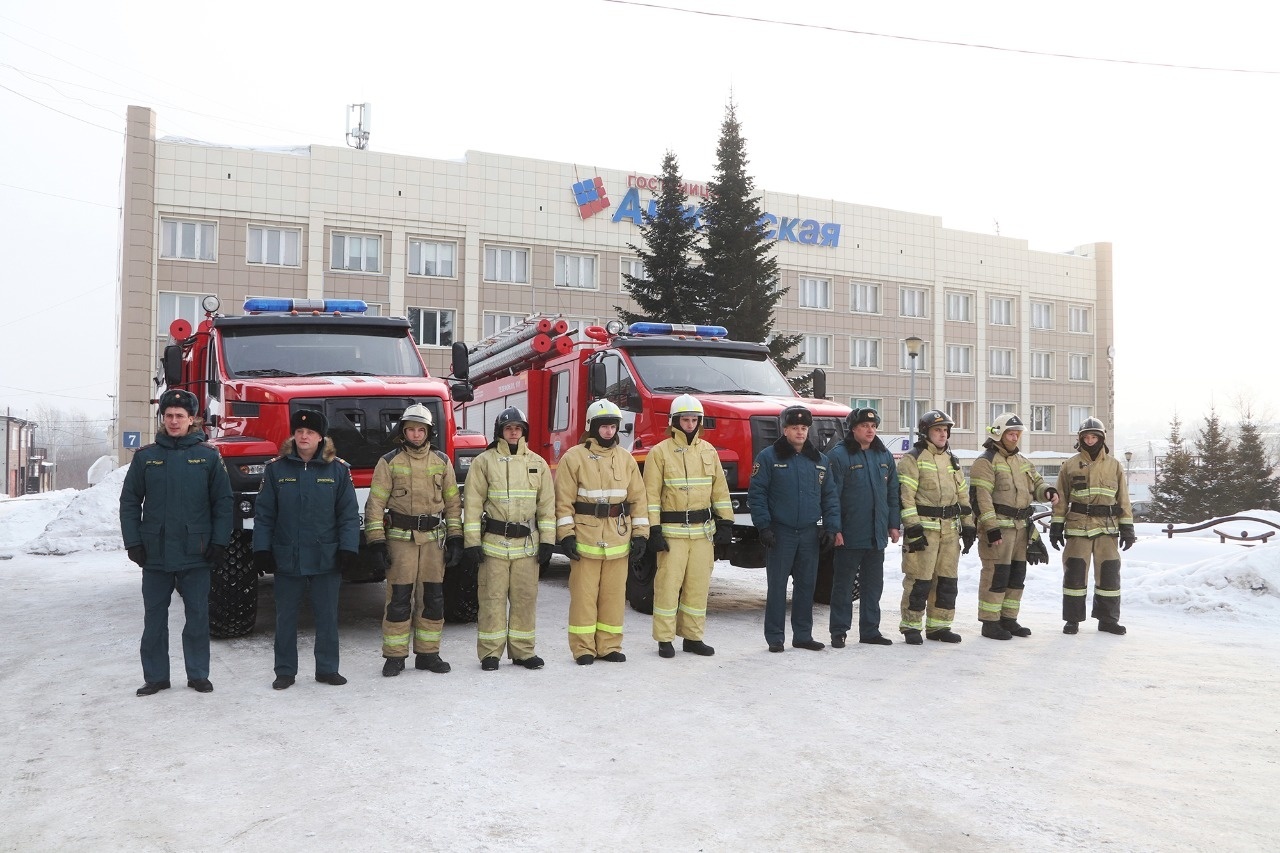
column 61, row 112
column 921, row 40
column 64, row 197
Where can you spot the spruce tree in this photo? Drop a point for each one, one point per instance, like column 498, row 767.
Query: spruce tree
column 672, row 290
column 1217, row 470
column 1176, row 487
column 1255, row 484
column 741, row 292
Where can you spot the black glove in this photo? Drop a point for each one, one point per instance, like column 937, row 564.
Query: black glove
column 826, row 541
column 1056, row 537
column 1036, row 552
column 569, row 545
column 994, row 535
column 452, row 551
column 545, row 550
column 768, row 538
column 657, row 542
column 913, row 538
column 724, row 532
column 215, row 555
column 638, row 546
column 474, row 555
column 1050, row 493
column 137, row 554
column 968, row 534
column 348, row 561
column 264, row 562
column 378, row 552
column 1127, row 537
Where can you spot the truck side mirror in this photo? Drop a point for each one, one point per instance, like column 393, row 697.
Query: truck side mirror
column 819, row 384
column 461, row 365
column 597, row 380
column 171, row 361
column 462, row 392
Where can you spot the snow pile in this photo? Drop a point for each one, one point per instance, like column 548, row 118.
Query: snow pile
column 23, row 518
column 89, row 522
column 1226, row 579
column 99, row 470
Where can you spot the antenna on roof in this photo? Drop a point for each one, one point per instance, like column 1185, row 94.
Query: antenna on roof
column 358, row 133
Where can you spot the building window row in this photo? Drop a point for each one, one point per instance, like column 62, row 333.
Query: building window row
column 963, row 412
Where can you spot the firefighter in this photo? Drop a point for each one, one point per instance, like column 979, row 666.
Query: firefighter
column 689, row 513
column 1003, row 483
column 175, row 518
column 1094, row 510
column 935, row 515
column 789, row 494
column 598, row 487
column 420, row 537
column 508, row 527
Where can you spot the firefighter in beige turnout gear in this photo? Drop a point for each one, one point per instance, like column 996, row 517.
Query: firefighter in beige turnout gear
column 598, row 488
column 421, row 535
column 689, row 513
column 1003, row 485
column 1093, row 512
column 935, row 514
column 508, row 530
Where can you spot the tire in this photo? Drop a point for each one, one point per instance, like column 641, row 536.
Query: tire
column 233, row 590
column 826, row 573
column 640, row 584
column 461, row 604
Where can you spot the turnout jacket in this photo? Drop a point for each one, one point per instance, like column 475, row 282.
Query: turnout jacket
column 680, row 476
column 176, row 501
column 307, row 511
column 792, row 489
column 1005, row 479
column 866, row 482
column 413, row 481
column 514, row 488
column 932, row 478
column 589, row 473
column 1096, row 484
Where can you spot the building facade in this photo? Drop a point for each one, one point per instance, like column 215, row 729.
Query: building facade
column 466, row 247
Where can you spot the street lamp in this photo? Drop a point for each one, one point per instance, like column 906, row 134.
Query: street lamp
column 913, row 352
column 1128, row 459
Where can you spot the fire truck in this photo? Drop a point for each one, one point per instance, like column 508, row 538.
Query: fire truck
column 553, row 376
column 252, row 372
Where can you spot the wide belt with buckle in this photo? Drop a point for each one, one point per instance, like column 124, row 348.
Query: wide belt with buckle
column 600, row 510
column 953, row 511
column 1018, row 514
column 506, row 528
column 419, row 523
column 689, row 516
column 1095, row 509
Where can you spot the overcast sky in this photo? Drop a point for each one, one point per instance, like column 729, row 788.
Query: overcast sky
column 1176, row 167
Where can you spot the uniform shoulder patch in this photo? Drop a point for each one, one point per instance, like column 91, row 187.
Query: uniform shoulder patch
column 755, row 469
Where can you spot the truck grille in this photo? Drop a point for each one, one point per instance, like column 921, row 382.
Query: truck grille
column 361, row 427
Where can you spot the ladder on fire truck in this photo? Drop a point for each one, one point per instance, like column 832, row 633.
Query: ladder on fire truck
column 526, row 344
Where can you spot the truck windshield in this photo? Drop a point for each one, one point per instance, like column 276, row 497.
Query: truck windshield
column 275, row 351
column 682, row 370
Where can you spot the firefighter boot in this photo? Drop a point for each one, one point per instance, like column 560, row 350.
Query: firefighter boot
column 943, row 635
column 698, row 647
column 913, row 637
column 392, row 667
column 666, row 650
column 1112, row 628
column 1011, row 625
column 489, row 664
column 613, row 657
column 432, row 662
column 531, row 662
column 993, row 630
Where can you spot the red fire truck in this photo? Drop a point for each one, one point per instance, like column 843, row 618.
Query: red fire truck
column 553, row 377
column 252, row 372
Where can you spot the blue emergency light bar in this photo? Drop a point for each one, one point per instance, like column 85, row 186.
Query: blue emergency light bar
column 270, row 305
column 678, row 329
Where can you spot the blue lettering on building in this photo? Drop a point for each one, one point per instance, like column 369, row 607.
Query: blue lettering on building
column 784, row 229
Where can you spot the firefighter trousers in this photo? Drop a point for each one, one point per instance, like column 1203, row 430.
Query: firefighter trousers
column 1076, row 556
column 415, row 599
column 929, row 581
column 680, row 589
column 597, row 596
column 501, row 581
column 1004, row 574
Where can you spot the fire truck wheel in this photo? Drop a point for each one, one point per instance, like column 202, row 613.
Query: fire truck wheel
column 233, row 590
column 826, row 571
column 460, row 602
column 640, row 584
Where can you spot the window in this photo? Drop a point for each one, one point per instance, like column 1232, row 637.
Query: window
column 578, row 271
column 998, row 409
column 960, row 307
column 356, row 252
column 178, row 306
column 274, row 246
column 1042, row 315
column 906, row 417
column 188, row 241
column 510, row 265
column 959, row 359
column 922, row 360
column 558, row 411
column 1001, row 362
column 432, row 327
column 865, row 403
column 815, row 292
column 816, row 350
column 962, row 414
column 864, row 352
column 1001, row 311
column 1041, row 365
column 913, row 302
column 494, row 323
column 633, row 267
column 1078, row 319
column 1078, row 367
column 1078, row 415
column 373, row 309
column 1042, row 418
column 431, row 258
column 864, row 297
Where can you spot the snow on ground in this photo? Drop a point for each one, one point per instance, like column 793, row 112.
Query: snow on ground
column 24, row 518
column 1160, row 740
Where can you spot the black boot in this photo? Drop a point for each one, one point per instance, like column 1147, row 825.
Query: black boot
column 489, row 664
column 204, row 685
column 698, row 647
column 531, row 662
column 666, row 650
column 1112, row 628
column 1071, row 628
column 282, row 682
column 392, row 667
column 613, row 657
column 431, row 661
column 153, row 687
column 913, row 637
column 810, row 644
column 334, row 678
column 1011, row 625
column 943, row 635
column 837, row 641
column 995, row 632
column 585, row 660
